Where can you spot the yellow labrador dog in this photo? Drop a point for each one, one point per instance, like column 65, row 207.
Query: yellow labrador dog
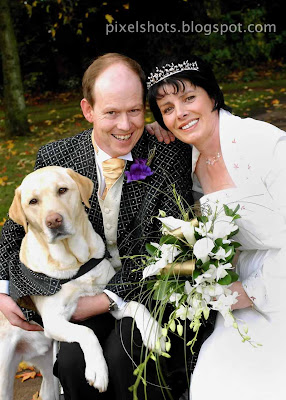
column 59, row 239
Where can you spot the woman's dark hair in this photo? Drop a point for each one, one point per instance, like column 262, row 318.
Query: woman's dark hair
column 203, row 78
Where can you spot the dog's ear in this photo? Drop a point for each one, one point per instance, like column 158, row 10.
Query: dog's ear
column 84, row 184
column 16, row 212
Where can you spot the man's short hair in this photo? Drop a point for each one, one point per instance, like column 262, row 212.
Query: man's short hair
column 100, row 64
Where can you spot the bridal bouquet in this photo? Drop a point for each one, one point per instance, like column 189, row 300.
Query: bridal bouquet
column 192, row 266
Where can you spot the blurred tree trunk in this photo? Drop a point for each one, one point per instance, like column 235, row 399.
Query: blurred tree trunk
column 15, row 109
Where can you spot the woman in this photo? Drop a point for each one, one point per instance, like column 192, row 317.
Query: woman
column 235, row 161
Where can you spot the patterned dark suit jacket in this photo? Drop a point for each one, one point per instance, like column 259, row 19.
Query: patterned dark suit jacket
column 140, row 202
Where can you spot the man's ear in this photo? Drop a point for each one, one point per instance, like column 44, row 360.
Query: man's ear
column 87, row 110
column 16, row 212
column 84, row 184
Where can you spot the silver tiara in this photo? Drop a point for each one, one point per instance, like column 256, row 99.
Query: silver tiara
column 168, row 70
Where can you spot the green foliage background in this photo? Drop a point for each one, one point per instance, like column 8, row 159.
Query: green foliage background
column 58, row 38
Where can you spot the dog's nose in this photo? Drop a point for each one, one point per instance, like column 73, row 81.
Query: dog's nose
column 54, row 220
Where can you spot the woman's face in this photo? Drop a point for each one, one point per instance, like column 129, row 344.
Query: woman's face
column 188, row 113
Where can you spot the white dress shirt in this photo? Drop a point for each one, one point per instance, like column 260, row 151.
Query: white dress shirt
column 110, row 210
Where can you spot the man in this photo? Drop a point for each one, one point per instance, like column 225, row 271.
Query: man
column 114, row 102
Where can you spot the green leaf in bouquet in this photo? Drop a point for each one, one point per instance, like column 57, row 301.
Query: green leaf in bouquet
column 150, row 284
column 152, row 250
column 197, row 235
column 226, row 280
column 231, row 213
column 236, row 209
column 233, row 233
column 215, row 263
column 219, row 243
column 185, row 250
column 229, row 258
column 168, row 239
column 161, row 289
column 215, row 249
column 180, row 288
column 233, row 275
column 199, row 263
column 206, row 265
column 203, row 218
column 227, row 211
column 196, row 273
column 235, row 244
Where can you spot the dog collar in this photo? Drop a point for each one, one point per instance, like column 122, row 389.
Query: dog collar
column 88, row 266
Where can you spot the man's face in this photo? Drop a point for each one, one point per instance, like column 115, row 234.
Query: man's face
column 118, row 111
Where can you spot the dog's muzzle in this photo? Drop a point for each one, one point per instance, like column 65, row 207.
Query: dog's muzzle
column 54, row 221
column 56, row 227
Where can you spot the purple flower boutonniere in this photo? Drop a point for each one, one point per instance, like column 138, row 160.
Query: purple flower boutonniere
column 139, row 170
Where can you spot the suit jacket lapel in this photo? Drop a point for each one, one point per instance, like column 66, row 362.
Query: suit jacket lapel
column 131, row 200
column 87, row 166
column 132, row 192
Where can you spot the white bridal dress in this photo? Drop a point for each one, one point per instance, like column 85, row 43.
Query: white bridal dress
column 227, row 368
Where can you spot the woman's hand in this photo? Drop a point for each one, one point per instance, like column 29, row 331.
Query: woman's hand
column 90, row 306
column 243, row 300
column 14, row 314
column 160, row 133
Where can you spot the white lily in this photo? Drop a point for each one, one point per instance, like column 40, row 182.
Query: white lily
column 189, row 232
column 179, row 228
column 170, row 224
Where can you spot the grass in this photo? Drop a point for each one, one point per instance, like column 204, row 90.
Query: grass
column 56, row 116
column 254, row 97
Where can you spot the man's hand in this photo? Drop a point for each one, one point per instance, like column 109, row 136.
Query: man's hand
column 160, row 133
column 243, row 300
column 14, row 314
column 90, row 306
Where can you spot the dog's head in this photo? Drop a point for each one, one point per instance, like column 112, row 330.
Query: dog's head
column 49, row 201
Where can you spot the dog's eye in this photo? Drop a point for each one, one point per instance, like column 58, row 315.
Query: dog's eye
column 62, row 190
column 33, row 201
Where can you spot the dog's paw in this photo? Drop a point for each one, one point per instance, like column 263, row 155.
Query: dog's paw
column 97, row 376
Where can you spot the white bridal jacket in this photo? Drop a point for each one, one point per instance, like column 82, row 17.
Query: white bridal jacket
column 254, row 153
